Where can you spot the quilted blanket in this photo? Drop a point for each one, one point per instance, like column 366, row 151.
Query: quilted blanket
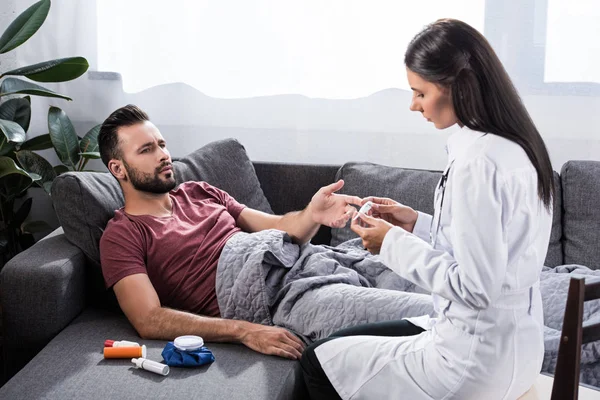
column 311, row 290
column 315, row 290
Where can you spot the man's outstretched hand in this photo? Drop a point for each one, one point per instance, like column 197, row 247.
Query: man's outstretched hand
column 272, row 340
column 331, row 209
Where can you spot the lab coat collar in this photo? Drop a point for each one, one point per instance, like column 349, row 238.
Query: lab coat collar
column 460, row 141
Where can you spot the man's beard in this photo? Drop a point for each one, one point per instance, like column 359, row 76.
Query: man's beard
column 150, row 183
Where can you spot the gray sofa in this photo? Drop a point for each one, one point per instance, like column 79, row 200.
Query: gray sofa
column 56, row 314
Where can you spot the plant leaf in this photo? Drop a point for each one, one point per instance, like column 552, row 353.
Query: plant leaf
column 63, row 136
column 24, row 26
column 35, row 227
column 60, row 169
column 47, row 186
column 17, row 110
column 94, row 155
column 89, row 143
column 12, row 131
column 9, row 167
column 41, row 142
column 32, row 162
column 60, row 70
column 19, row 86
column 13, row 179
column 6, row 147
column 13, row 185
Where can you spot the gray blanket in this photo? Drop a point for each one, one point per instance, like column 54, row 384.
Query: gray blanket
column 315, row 290
column 310, row 290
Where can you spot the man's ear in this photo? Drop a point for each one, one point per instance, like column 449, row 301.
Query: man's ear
column 116, row 168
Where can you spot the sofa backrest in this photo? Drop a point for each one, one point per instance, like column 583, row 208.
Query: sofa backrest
column 290, row 187
column 416, row 188
column 580, row 181
column 555, row 254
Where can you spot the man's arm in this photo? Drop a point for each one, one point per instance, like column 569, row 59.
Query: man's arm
column 325, row 208
column 298, row 224
column 139, row 301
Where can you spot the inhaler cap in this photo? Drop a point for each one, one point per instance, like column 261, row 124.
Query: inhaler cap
column 188, row 342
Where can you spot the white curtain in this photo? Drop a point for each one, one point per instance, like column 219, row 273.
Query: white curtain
column 336, row 49
column 312, row 81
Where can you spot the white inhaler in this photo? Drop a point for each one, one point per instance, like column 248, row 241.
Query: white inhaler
column 365, row 211
column 152, row 366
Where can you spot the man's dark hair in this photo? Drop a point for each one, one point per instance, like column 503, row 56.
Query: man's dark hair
column 108, row 139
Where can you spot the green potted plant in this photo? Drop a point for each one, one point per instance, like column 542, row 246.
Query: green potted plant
column 20, row 167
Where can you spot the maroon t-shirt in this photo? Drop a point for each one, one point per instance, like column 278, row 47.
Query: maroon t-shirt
column 180, row 252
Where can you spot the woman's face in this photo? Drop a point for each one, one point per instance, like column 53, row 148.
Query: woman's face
column 431, row 100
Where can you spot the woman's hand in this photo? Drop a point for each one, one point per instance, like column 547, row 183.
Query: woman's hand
column 393, row 212
column 373, row 234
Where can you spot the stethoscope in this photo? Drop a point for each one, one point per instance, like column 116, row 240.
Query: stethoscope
column 438, row 204
column 439, row 198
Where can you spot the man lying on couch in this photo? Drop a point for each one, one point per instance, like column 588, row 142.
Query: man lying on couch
column 160, row 251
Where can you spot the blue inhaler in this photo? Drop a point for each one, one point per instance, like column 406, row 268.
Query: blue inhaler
column 187, row 351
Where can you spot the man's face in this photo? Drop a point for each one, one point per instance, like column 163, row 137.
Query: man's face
column 146, row 160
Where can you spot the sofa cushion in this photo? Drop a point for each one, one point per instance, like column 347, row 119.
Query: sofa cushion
column 85, row 201
column 71, row 366
column 554, row 256
column 581, row 213
column 416, row 188
column 225, row 164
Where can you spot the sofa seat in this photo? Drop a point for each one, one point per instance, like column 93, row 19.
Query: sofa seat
column 72, row 366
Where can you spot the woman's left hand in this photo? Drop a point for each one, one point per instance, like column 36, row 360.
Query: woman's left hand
column 373, row 234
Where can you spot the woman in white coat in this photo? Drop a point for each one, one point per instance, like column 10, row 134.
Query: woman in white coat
column 480, row 255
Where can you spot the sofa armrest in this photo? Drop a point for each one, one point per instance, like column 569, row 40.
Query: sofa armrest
column 41, row 290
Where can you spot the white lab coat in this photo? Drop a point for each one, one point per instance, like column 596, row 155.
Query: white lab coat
column 486, row 341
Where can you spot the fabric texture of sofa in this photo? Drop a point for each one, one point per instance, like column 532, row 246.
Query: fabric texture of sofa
column 56, row 313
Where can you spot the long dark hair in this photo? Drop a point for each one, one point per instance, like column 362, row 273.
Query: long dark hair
column 456, row 56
